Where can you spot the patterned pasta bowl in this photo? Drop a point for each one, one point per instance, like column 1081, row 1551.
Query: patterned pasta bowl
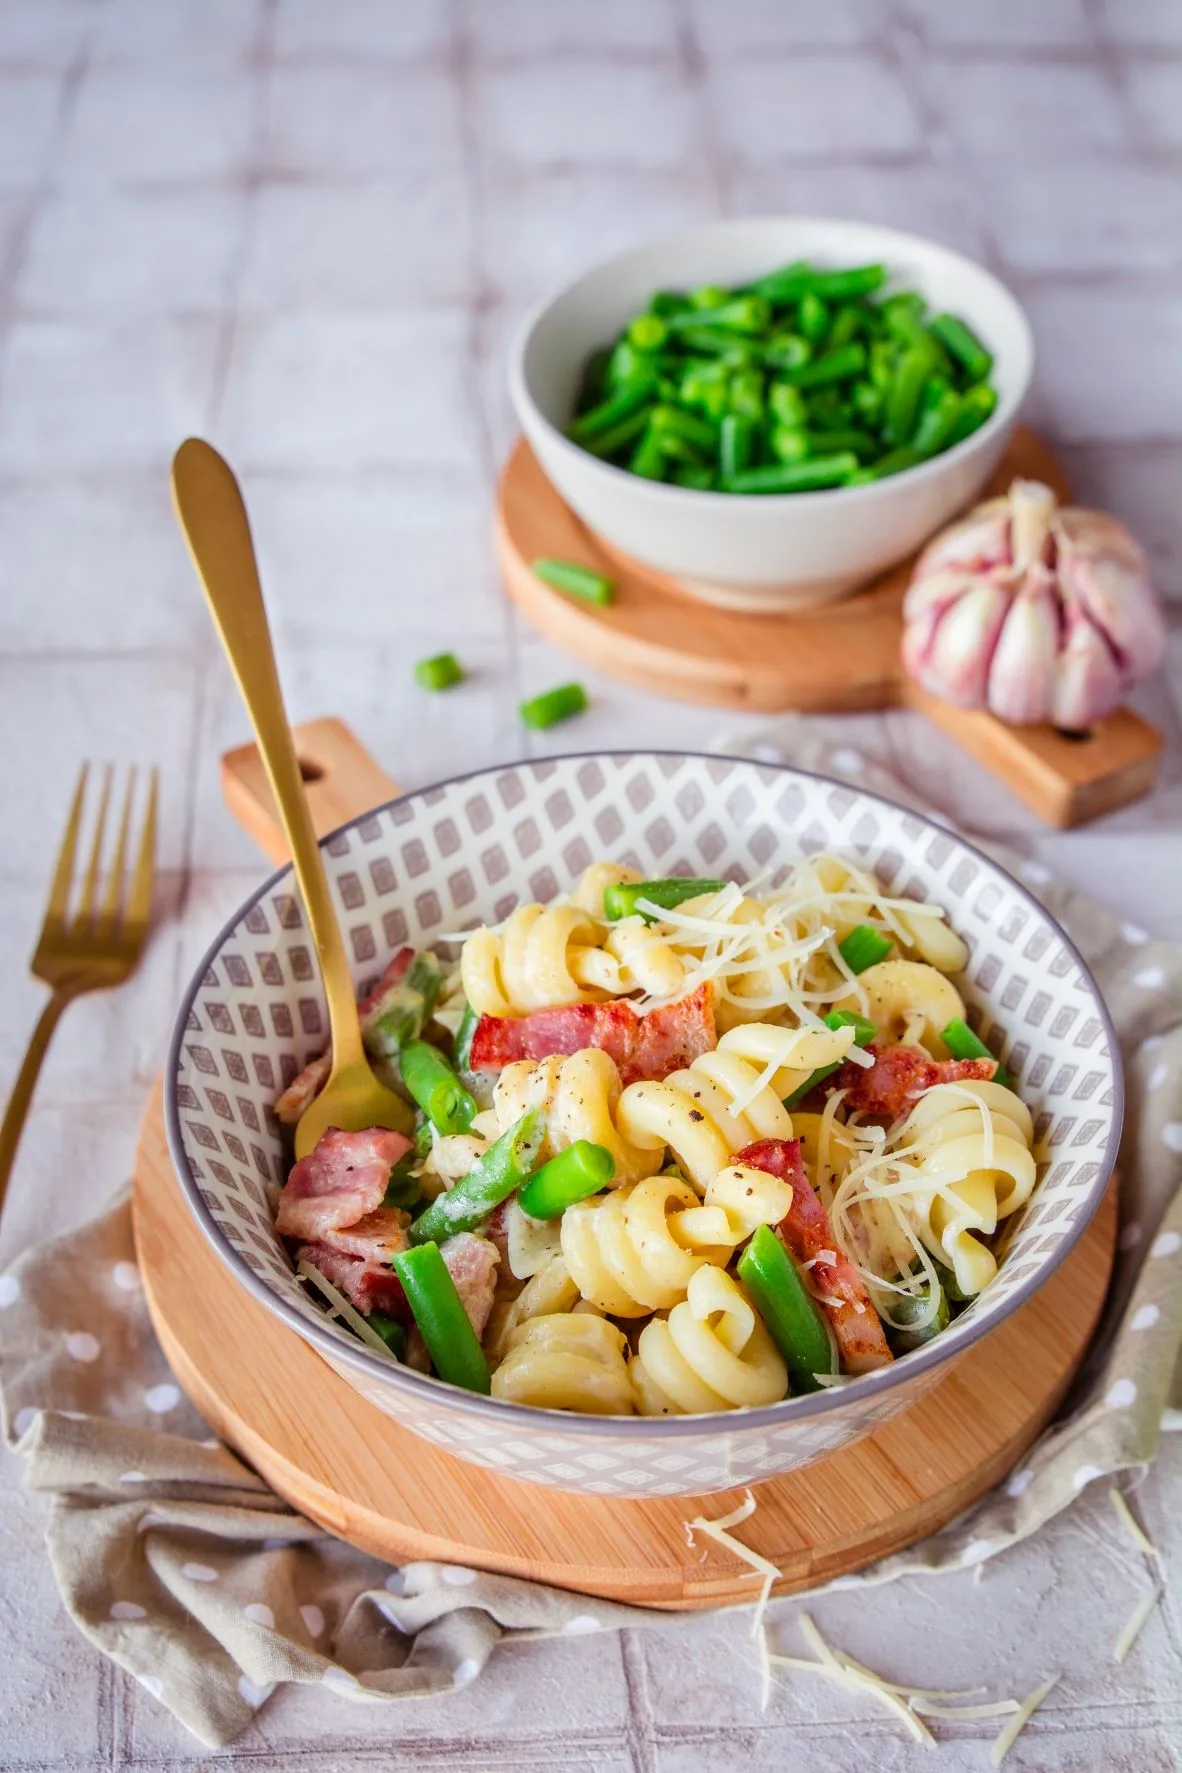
column 471, row 850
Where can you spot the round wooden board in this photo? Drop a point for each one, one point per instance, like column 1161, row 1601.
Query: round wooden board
column 839, row 657
column 347, row 1466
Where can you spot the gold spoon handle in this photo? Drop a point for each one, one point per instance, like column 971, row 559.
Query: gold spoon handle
column 213, row 516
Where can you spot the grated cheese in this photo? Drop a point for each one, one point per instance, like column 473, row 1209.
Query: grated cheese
column 717, row 1530
column 964, row 1714
column 1137, row 1621
column 341, row 1308
column 1132, row 1526
column 1006, row 1740
column 853, row 1675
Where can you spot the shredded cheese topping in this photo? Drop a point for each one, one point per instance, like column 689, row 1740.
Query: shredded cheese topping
column 340, row 1307
column 1006, row 1740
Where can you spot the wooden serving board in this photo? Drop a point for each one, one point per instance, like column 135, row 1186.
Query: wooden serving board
column 347, row 1466
column 839, row 658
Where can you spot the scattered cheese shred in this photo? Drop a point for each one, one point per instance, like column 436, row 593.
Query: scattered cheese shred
column 760, row 1566
column 1006, row 1740
column 1132, row 1525
column 860, row 1679
column 964, row 1714
column 1136, row 1622
column 765, row 1665
column 342, row 1309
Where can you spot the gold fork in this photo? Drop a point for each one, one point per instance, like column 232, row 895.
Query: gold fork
column 99, row 946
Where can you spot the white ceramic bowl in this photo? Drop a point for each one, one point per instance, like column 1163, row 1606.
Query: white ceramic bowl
column 773, row 553
column 470, row 850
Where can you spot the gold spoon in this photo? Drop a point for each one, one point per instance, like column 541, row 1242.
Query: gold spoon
column 213, row 516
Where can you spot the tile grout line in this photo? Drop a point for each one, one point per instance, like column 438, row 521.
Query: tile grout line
column 642, row 1738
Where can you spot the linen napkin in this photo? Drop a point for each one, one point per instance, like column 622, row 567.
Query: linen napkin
column 181, row 1564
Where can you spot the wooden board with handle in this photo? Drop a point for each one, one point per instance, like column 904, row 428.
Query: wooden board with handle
column 838, row 658
column 350, row 1468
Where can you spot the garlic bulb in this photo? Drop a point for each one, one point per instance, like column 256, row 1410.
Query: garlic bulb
column 1033, row 611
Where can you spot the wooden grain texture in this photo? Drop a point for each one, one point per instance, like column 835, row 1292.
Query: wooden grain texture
column 342, row 781
column 839, row 658
column 347, row 1466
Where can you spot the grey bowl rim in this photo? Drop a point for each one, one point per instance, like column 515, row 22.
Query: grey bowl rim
column 1000, row 422
column 924, row 1360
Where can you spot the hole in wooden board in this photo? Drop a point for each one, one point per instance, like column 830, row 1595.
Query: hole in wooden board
column 1075, row 738
column 309, row 771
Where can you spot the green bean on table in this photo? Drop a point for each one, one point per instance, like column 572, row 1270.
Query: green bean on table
column 834, row 382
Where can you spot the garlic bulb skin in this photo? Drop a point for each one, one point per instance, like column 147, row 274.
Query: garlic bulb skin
column 1032, row 611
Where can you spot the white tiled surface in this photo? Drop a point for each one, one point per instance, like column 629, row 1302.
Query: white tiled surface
column 306, row 228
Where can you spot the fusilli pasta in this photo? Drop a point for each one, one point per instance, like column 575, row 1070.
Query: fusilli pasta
column 711, row 1353
column 568, row 1361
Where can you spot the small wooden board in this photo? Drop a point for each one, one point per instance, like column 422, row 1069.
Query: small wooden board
column 347, row 1466
column 839, row 657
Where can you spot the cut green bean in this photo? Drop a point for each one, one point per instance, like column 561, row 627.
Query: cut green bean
column 863, row 947
column 505, row 1166
column 582, row 1169
column 671, row 422
column 735, row 443
column 439, row 672
column 746, row 314
column 611, row 443
column 746, row 394
column 835, row 366
column 827, row 443
column 903, row 396
column 788, row 405
column 864, row 1033
column 789, row 444
column 577, row 581
column 610, row 412
column 937, row 423
column 905, row 1308
column 464, row 1033
column 791, row 1314
column 561, row 703
column 696, row 479
column 402, row 1011
column 648, row 332
column 443, row 1323
column 404, row 1189
column 806, row 476
column 812, row 317
column 786, row 350
column 962, row 1043
column 963, row 344
column 977, row 404
column 622, row 898
column 436, row 1088
column 847, row 324
column 393, row 1333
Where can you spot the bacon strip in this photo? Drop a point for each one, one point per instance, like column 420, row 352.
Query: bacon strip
column 472, row 1263
column 366, row 1285
column 344, row 1179
column 805, row 1231
column 899, row 1076
column 650, row 1046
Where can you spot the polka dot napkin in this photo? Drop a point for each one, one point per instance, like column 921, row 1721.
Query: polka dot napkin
column 179, row 1563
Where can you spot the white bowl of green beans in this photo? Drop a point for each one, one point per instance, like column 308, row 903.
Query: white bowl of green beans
column 773, row 410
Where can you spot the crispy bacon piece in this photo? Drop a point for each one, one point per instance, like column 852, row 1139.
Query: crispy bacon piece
column 805, row 1231
column 311, row 1080
column 472, row 1263
column 366, row 1285
column 376, row 1238
column 650, row 1046
column 344, row 1179
column 899, row 1076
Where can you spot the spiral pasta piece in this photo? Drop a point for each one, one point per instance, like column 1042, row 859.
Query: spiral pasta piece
column 737, row 1200
column 907, row 1001
column 704, row 1113
column 581, row 1096
column 625, row 1251
column 547, row 1293
column 711, row 1353
column 917, row 925
column 595, row 879
column 786, row 1057
column 567, row 1361
column 527, row 964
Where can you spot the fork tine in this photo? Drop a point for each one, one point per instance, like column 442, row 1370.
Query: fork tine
column 109, row 914
column 86, row 902
column 59, row 893
column 139, row 899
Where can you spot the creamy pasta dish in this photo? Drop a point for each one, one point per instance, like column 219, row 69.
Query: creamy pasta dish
column 670, row 1147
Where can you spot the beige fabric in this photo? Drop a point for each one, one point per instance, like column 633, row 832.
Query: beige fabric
column 181, row 1564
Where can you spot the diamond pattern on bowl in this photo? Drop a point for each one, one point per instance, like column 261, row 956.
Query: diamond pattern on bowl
column 470, row 851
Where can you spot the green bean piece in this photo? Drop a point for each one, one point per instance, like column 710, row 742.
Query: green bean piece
column 648, row 458
column 647, row 332
column 505, row 1166
column 439, row 1312
column 863, row 947
column 628, row 365
column 806, row 476
column 436, row 1088
column 561, row 703
column 787, row 284
column 866, row 401
column 403, row 1010
column 610, row 412
column 702, row 382
column 736, row 444
column 709, row 295
column 976, row 405
column 827, row 443
column 610, row 443
column 666, row 302
column 962, row 1043
column 696, row 479
column 797, row 1096
column 622, row 898
column 842, row 286
column 787, row 404
column 672, row 421
column 439, row 673
column 896, row 461
column 881, row 367
column 746, row 394
column 789, row 443
column 905, row 1308
column 812, row 318
column 863, row 1027
column 847, row 324
column 936, row 424
column 903, row 399
column 593, row 387
column 792, row 1315
column 835, row 366
column 961, row 342
column 949, row 1285
column 718, row 344
column 404, row 1189
column 581, row 1170
column 904, row 301
column 577, row 581
column 786, row 350
column 463, row 1045
column 392, row 1333
column 747, row 314
column 424, row 1139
